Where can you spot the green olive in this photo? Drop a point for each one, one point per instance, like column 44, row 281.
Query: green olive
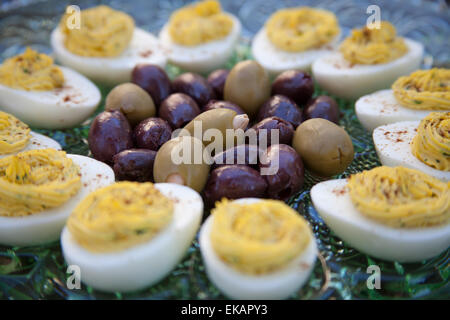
column 247, row 85
column 325, row 148
column 134, row 102
column 181, row 160
column 220, row 119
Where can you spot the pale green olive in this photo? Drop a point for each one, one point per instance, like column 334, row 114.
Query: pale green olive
column 247, row 85
column 181, row 160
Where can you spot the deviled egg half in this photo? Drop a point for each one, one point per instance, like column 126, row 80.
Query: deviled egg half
column 396, row 214
column 257, row 249
column 106, row 46
column 43, row 94
column 293, row 38
column 422, row 145
column 130, row 235
column 411, row 98
column 200, row 37
column 369, row 59
column 40, row 188
column 16, row 136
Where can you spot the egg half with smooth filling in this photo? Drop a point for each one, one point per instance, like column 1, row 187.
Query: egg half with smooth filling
column 411, row 98
column 200, row 37
column 43, row 94
column 370, row 59
column 422, row 145
column 396, row 214
column 257, row 249
column 16, row 136
column 130, row 235
column 40, row 188
column 106, row 46
column 293, row 38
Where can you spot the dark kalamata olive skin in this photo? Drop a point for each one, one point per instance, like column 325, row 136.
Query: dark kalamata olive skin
column 285, row 130
column 282, row 107
column 195, row 86
column 152, row 79
column 216, row 80
column 289, row 177
column 152, row 133
column 217, row 104
column 110, row 133
column 234, row 182
column 134, row 165
column 244, row 154
column 296, row 85
column 178, row 109
column 323, row 107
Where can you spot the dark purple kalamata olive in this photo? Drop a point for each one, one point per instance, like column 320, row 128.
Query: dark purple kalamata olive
column 285, row 131
column 234, row 182
column 178, row 109
column 282, row 168
column 134, row 165
column 195, row 86
column 152, row 133
column 281, row 107
column 296, row 85
column 218, row 104
column 109, row 134
column 323, row 107
column 242, row 154
column 152, row 79
column 216, row 80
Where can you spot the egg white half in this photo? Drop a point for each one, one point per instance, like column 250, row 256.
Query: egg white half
column 237, row 285
column 381, row 107
column 337, row 76
column 144, row 48
column 53, row 109
column 46, row 226
column 393, row 145
column 332, row 200
column 37, row 141
column 205, row 57
column 276, row 60
column 147, row 263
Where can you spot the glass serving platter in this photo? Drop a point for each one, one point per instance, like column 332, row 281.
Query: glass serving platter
column 341, row 271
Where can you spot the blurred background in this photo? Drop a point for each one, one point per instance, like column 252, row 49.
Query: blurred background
column 24, row 22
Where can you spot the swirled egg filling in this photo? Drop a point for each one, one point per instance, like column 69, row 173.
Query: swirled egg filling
column 31, row 71
column 372, row 45
column 431, row 144
column 36, row 180
column 104, row 32
column 120, row 216
column 400, row 197
column 199, row 23
column 258, row 238
column 14, row 134
column 424, row 89
column 301, row 29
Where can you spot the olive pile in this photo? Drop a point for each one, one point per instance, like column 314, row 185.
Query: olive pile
column 135, row 132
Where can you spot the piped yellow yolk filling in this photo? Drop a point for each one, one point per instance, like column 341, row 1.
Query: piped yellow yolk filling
column 431, row 145
column 300, row 29
column 36, row 180
column 103, row 32
column 119, row 216
column 424, row 90
column 199, row 23
column 258, row 238
column 31, row 71
column 400, row 197
column 373, row 46
column 14, row 134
